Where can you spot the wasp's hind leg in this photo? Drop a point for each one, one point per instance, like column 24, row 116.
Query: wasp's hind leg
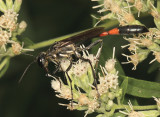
column 70, row 80
column 93, row 71
column 100, row 41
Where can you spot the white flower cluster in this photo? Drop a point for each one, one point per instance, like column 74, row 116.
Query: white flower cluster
column 8, row 23
column 84, row 94
column 9, row 28
column 110, row 76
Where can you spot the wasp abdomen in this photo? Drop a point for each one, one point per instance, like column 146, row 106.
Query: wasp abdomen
column 132, row 29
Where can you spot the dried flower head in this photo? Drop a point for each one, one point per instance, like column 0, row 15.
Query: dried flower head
column 4, row 37
column 83, row 99
column 132, row 113
column 63, row 91
column 116, row 10
column 146, row 42
column 154, row 12
column 158, row 102
column 157, row 57
column 16, row 48
column 134, row 59
column 92, row 106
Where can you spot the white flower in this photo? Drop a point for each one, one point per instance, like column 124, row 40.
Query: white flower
column 110, row 64
column 132, row 113
column 9, row 20
column 56, row 85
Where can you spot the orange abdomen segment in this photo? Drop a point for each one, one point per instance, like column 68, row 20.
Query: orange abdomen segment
column 114, row 31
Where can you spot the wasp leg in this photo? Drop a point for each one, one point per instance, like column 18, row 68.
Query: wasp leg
column 69, row 67
column 94, row 43
column 93, row 71
column 57, row 68
column 99, row 50
column 53, row 76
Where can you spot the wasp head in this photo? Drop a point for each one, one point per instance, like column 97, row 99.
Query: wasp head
column 42, row 60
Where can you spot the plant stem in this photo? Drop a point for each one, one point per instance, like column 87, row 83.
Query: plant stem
column 117, row 107
column 136, row 107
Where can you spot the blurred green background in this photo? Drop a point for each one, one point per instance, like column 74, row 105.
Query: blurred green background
column 46, row 19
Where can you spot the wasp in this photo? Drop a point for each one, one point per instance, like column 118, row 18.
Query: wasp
column 69, row 46
column 65, row 49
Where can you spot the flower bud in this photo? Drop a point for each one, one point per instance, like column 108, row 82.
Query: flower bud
column 111, row 95
column 110, row 65
column 104, row 97
column 109, row 105
column 22, row 27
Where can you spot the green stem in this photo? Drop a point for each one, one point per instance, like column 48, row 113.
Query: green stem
column 150, row 107
column 123, row 107
column 158, row 5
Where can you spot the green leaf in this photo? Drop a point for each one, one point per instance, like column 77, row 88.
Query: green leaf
column 118, row 114
column 27, row 41
column 107, row 53
column 141, row 88
column 3, row 6
column 154, row 66
column 132, row 99
column 4, row 66
column 9, row 4
column 17, row 5
column 124, row 86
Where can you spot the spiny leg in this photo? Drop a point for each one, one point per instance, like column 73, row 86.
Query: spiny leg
column 53, row 75
column 69, row 67
column 99, row 50
column 57, row 68
column 94, row 74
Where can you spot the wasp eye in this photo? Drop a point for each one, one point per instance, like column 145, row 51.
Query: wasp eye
column 41, row 60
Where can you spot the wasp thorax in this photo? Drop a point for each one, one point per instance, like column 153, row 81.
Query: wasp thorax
column 41, row 60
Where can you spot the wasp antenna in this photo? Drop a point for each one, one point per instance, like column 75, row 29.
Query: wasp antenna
column 25, row 71
column 29, row 55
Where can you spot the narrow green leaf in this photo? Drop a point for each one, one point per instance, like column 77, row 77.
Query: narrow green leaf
column 9, row 4
column 141, row 88
column 3, row 71
column 124, row 86
column 3, row 6
column 17, row 5
column 4, row 66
